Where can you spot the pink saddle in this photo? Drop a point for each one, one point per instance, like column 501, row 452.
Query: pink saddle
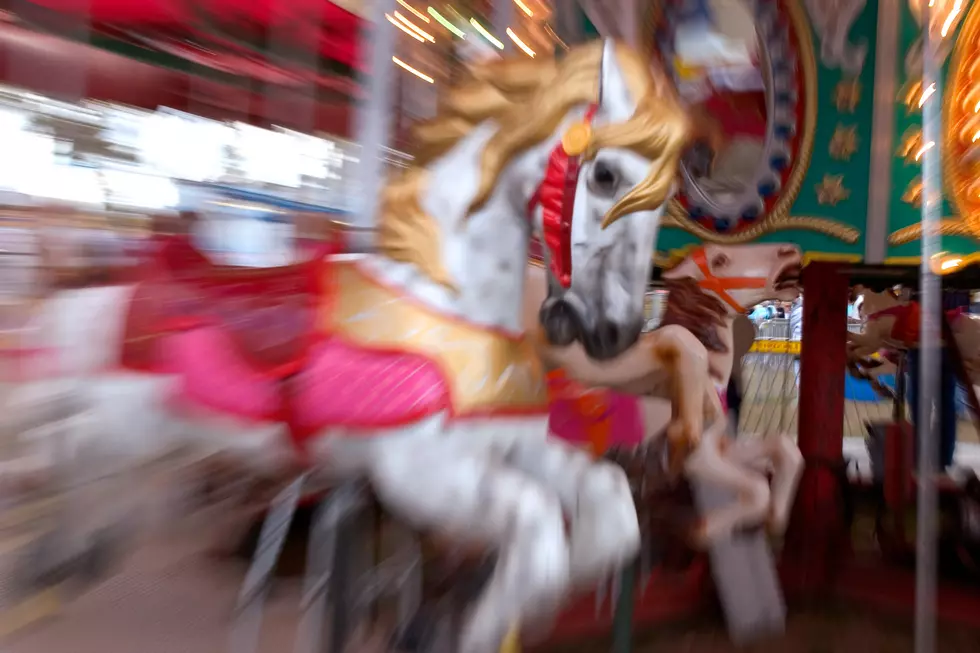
column 345, row 385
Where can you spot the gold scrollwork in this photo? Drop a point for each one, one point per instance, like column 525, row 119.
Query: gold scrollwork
column 947, row 227
column 911, row 145
column 779, row 219
column 913, row 193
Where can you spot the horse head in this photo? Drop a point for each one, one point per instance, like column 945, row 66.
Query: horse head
column 741, row 276
column 583, row 151
column 870, row 302
column 626, row 176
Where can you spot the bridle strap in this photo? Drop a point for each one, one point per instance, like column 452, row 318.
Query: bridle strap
column 556, row 196
column 721, row 285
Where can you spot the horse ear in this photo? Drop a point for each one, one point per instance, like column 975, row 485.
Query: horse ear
column 615, row 101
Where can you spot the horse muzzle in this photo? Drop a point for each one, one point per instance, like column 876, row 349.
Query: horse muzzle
column 608, row 339
column 563, row 326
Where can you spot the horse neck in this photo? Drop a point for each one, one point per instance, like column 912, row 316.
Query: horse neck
column 484, row 252
column 720, row 362
column 881, row 302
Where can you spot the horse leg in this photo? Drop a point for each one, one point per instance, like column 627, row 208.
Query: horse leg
column 685, row 359
column 709, row 464
column 787, row 465
column 596, row 495
column 468, row 497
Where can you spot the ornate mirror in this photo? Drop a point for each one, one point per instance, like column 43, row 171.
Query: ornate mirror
column 734, row 62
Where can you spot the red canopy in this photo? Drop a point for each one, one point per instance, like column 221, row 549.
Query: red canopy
column 55, row 66
column 302, row 24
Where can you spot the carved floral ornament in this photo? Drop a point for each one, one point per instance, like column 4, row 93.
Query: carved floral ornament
column 961, row 125
column 715, row 211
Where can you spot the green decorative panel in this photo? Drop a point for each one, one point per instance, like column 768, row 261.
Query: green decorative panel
column 905, row 214
column 822, row 217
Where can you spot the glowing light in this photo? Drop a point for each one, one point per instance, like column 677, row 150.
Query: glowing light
column 957, row 5
column 445, row 23
column 926, row 94
column 487, row 35
column 924, row 149
column 950, row 264
column 414, row 71
column 976, row 108
column 976, row 137
column 425, row 19
column 404, row 29
column 521, row 44
column 415, row 28
column 524, row 7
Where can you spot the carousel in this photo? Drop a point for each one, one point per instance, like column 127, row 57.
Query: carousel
column 505, row 423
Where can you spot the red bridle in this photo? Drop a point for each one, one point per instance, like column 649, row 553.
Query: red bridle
column 721, row 285
column 556, row 195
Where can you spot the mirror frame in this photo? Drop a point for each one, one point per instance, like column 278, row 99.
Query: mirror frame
column 798, row 76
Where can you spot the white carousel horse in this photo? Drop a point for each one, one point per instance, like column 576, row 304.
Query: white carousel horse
column 424, row 381
column 709, row 288
column 462, row 447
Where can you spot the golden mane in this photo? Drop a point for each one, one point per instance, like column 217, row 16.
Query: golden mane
column 529, row 99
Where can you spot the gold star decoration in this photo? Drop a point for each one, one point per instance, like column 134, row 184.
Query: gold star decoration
column 913, row 193
column 910, row 94
column 831, row 190
column 847, row 95
column 911, row 144
column 843, row 144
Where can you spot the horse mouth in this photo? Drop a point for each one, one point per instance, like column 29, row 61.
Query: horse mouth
column 788, row 278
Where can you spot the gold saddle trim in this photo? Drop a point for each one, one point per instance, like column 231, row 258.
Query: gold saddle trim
column 487, row 372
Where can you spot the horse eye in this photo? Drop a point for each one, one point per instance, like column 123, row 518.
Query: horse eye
column 604, row 179
column 719, row 261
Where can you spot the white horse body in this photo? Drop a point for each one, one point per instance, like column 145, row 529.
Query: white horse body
column 494, row 478
column 123, row 419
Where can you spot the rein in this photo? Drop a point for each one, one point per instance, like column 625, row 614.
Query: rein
column 721, row 285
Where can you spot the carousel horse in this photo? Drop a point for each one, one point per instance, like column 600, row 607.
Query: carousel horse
column 707, row 290
column 892, row 324
column 416, row 373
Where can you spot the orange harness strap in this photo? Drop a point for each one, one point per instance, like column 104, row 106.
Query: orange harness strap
column 721, row 285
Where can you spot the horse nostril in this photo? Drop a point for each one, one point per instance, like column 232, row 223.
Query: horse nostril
column 610, row 339
column 787, row 252
column 561, row 325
